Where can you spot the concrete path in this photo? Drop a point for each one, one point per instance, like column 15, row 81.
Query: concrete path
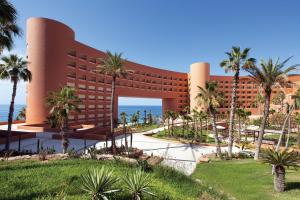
column 183, row 157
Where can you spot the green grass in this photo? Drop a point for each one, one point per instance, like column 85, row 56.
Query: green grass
column 144, row 127
column 247, row 180
column 37, row 180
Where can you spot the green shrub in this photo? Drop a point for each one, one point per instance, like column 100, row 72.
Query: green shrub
column 99, row 183
column 138, row 184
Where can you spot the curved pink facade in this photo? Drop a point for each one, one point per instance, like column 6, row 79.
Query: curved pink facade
column 57, row 59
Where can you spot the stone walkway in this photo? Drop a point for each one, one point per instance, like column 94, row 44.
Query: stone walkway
column 183, row 157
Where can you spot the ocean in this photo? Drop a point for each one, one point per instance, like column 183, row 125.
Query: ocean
column 4, row 109
column 155, row 110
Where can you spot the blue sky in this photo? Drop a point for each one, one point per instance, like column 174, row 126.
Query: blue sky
column 171, row 34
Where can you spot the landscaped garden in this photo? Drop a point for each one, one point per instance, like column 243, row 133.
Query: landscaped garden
column 62, row 179
column 247, row 180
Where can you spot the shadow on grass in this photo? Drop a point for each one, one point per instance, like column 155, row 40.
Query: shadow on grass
column 292, row 186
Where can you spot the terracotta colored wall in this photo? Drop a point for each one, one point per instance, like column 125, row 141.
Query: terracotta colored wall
column 199, row 74
column 57, row 59
column 47, row 45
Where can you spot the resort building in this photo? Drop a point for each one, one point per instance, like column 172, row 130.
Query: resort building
column 56, row 59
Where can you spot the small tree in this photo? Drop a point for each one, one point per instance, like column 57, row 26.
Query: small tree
column 211, row 99
column 173, row 115
column 280, row 161
column 61, row 104
column 124, row 122
column 278, row 99
column 167, row 116
column 22, row 114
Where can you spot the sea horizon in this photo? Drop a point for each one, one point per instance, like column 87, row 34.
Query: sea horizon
column 156, row 110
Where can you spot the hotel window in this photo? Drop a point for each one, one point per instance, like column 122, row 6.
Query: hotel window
column 71, row 64
column 92, row 60
column 83, row 78
column 70, row 84
column 81, row 96
column 82, row 67
column 83, row 57
column 71, row 75
column 81, row 86
column 72, row 53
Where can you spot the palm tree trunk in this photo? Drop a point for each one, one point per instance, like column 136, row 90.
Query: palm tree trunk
column 279, row 179
column 125, row 134
column 232, row 113
column 200, row 130
column 289, row 131
column 263, row 125
column 10, row 115
column 298, row 138
column 282, row 130
column 215, row 131
column 113, row 141
column 239, row 136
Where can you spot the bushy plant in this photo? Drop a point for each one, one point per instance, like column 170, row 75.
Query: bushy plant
column 144, row 165
column 280, row 161
column 138, row 184
column 99, row 184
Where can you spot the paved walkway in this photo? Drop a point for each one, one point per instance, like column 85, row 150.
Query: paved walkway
column 182, row 157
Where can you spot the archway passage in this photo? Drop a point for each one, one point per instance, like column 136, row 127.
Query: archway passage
column 130, row 105
column 144, row 106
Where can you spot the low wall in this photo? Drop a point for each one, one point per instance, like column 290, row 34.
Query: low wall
column 14, row 122
column 15, row 135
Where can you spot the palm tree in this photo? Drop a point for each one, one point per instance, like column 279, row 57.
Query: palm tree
column 268, row 75
column 22, row 114
column 113, row 65
column 242, row 115
column 145, row 116
column 278, row 99
column 61, row 104
column 237, row 59
column 297, row 119
column 201, row 116
column 281, row 160
column 124, row 121
column 173, row 115
column 138, row 113
column 13, row 68
column 259, row 101
column 8, row 26
column 211, row 99
column 167, row 116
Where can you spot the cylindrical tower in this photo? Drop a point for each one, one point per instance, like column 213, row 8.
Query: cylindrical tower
column 199, row 74
column 48, row 43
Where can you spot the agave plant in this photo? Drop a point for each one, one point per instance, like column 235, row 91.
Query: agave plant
column 281, row 160
column 99, row 183
column 138, row 184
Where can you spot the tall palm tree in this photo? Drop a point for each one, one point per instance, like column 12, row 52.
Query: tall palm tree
column 211, row 99
column 112, row 65
column 268, row 75
column 201, row 116
column 124, row 122
column 281, row 160
column 61, row 104
column 167, row 116
column 242, row 115
column 8, row 26
column 297, row 120
column 173, row 115
column 237, row 60
column 13, row 68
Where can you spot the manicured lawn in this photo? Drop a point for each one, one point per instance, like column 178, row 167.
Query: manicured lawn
column 247, row 180
column 143, row 128
column 37, row 180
